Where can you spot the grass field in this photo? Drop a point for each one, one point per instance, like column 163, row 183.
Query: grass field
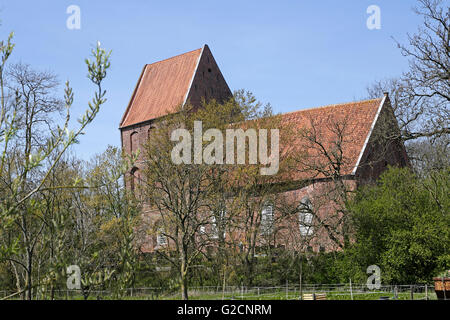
column 265, row 293
column 292, row 296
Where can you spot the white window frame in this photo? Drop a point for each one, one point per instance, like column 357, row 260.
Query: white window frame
column 161, row 240
column 214, row 226
column 267, row 219
column 305, row 218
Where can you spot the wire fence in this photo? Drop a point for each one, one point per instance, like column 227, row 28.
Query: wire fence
column 287, row 292
column 332, row 291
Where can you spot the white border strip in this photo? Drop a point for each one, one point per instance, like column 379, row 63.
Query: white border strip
column 369, row 134
column 193, row 75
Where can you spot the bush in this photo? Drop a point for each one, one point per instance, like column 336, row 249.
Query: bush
column 402, row 225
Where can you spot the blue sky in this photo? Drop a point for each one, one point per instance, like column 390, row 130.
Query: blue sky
column 293, row 54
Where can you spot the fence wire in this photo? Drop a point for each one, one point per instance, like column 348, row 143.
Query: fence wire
column 287, row 292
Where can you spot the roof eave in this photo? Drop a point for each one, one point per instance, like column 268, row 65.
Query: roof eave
column 193, row 76
column 132, row 97
column 380, row 107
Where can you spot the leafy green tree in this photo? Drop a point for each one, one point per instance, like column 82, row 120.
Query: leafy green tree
column 402, row 225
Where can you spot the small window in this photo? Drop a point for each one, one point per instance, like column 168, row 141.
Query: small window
column 267, row 216
column 150, row 130
column 134, row 179
column 305, row 217
column 134, row 143
column 217, row 226
column 161, row 239
column 209, row 69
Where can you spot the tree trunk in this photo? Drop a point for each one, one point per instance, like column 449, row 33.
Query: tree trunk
column 184, row 288
column 29, row 271
column 183, row 274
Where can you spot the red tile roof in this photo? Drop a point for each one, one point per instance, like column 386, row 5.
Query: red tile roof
column 355, row 119
column 162, row 87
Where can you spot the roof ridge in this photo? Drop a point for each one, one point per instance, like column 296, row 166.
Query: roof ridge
column 313, row 108
column 193, row 75
column 330, row 105
column 181, row 54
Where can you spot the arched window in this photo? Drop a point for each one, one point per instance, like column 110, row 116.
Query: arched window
column 161, row 238
column 305, row 217
column 267, row 217
column 134, row 179
column 134, row 143
column 149, row 131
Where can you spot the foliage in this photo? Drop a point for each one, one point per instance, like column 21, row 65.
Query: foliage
column 402, row 225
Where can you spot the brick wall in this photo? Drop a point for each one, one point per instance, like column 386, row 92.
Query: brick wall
column 208, row 81
column 383, row 148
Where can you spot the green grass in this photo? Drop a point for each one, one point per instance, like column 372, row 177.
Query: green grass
column 291, row 296
column 265, row 294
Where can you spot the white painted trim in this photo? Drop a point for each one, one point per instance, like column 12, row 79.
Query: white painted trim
column 369, row 134
column 193, row 75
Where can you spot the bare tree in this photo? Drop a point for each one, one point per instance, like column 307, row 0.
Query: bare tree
column 28, row 145
column 320, row 156
column 179, row 194
column 421, row 96
column 429, row 53
column 194, row 205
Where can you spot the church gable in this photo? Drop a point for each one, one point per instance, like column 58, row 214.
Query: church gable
column 208, row 81
column 167, row 84
column 383, row 146
column 356, row 136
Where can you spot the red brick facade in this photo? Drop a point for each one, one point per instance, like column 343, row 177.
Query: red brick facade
column 201, row 80
column 369, row 152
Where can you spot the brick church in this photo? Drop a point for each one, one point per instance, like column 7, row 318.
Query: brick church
column 192, row 76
